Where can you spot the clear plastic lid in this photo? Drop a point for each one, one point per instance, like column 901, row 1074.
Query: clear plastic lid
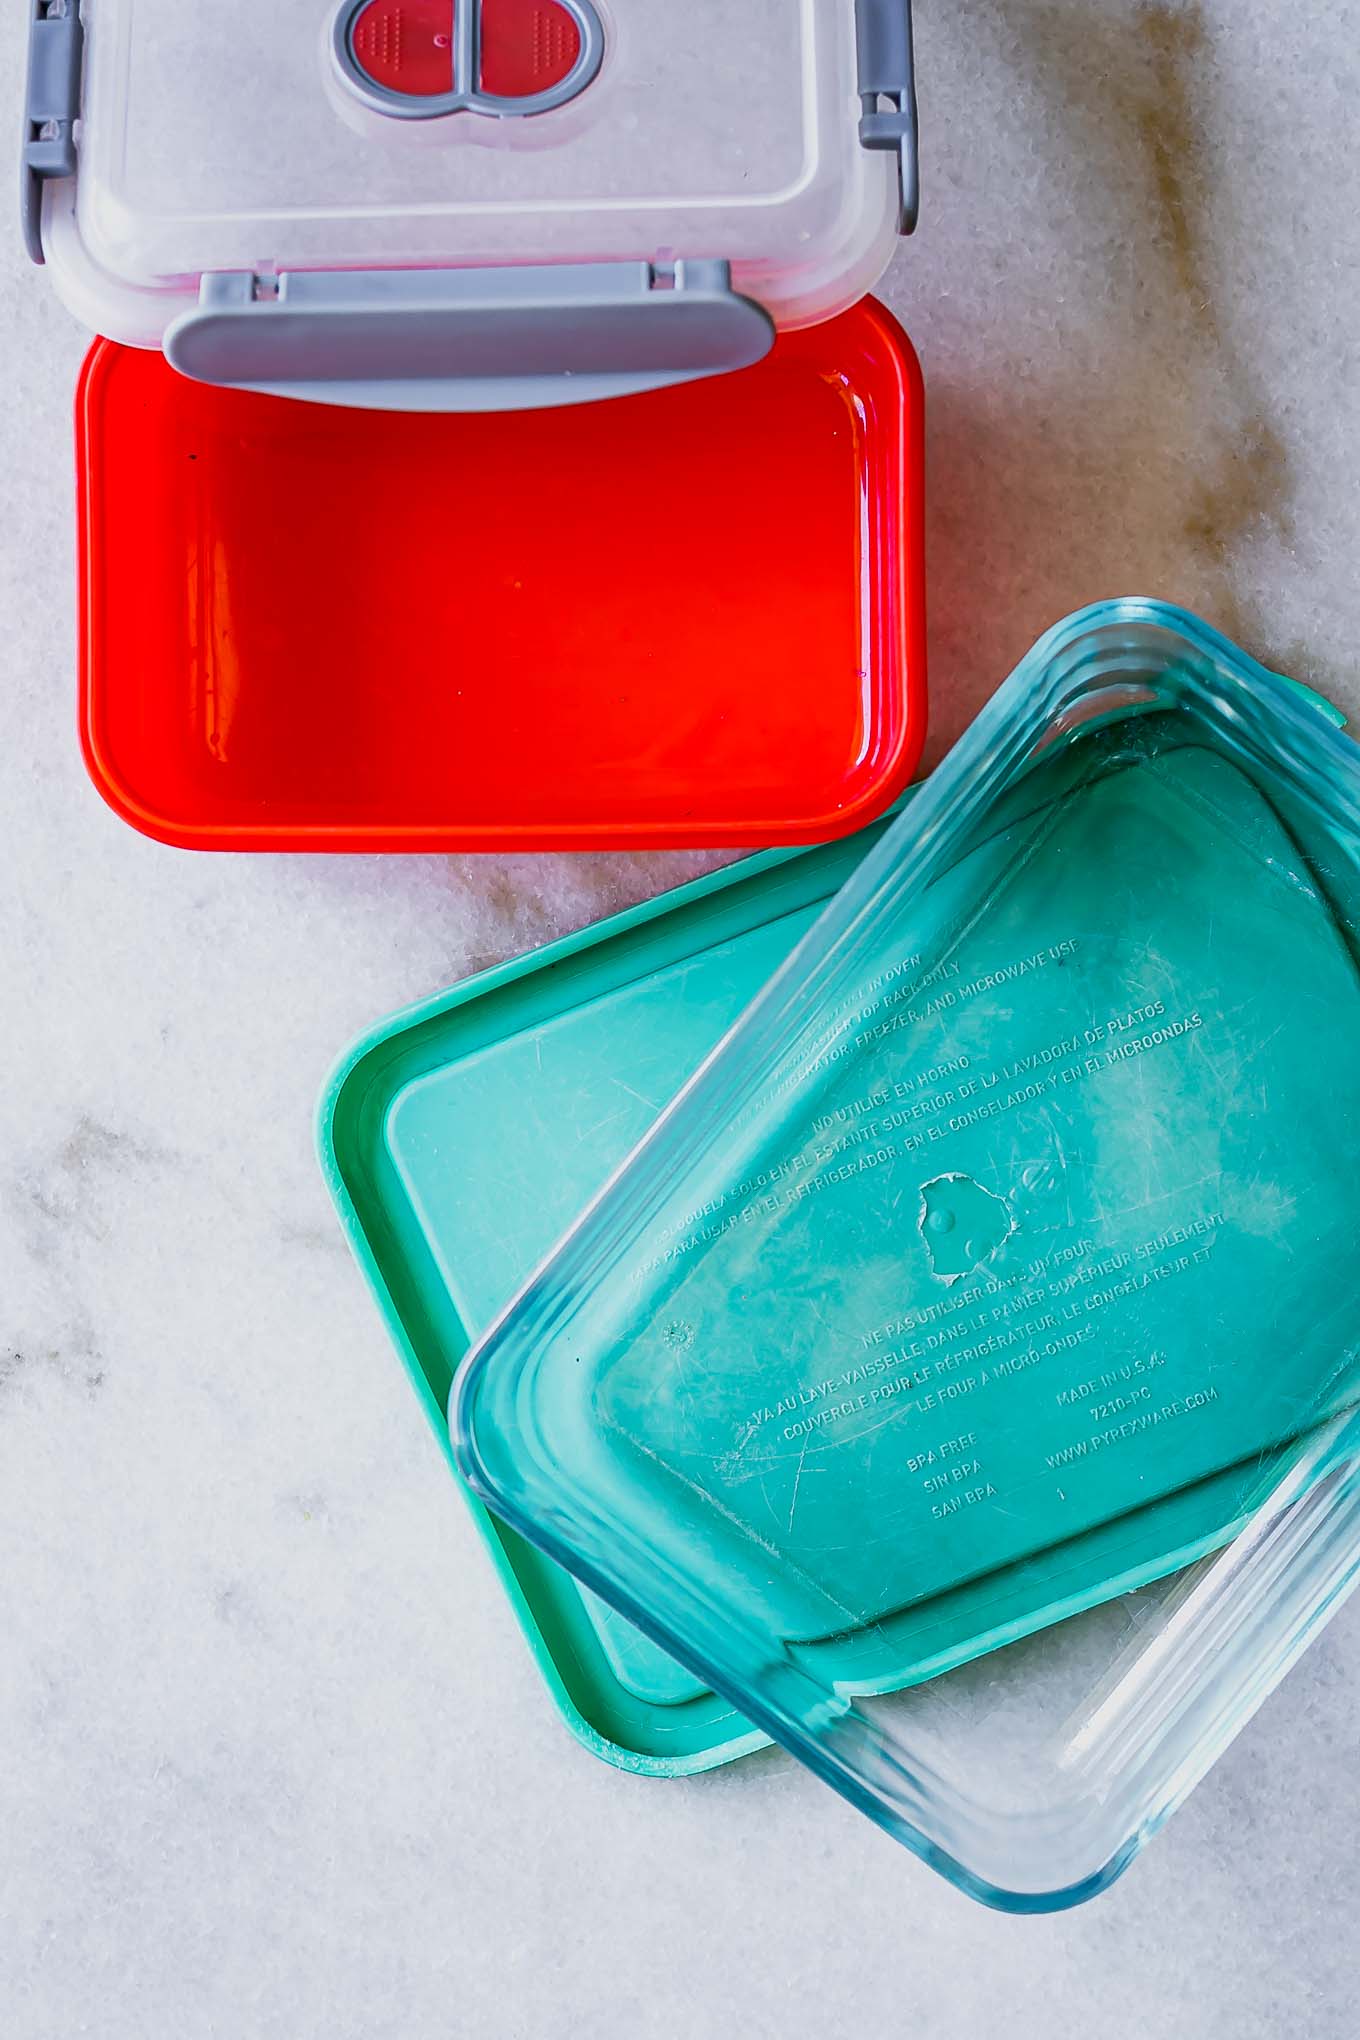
column 268, row 138
column 960, row 1378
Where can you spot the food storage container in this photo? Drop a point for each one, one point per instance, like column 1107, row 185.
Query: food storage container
column 459, row 1140
column 453, row 600
column 959, row 1378
column 446, row 203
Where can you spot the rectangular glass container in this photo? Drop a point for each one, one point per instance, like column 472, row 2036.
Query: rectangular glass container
column 981, row 1320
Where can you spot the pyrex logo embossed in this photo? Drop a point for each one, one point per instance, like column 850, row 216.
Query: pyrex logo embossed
column 425, row 59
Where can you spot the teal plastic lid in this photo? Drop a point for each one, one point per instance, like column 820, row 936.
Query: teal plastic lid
column 462, row 1137
column 996, row 1270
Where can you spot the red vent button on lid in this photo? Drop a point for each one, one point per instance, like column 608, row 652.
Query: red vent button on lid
column 527, row 46
column 406, row 46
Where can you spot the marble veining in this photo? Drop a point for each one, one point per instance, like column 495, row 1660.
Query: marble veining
column 277, row 1765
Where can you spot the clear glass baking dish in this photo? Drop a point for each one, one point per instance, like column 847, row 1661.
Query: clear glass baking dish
column 960, row 1377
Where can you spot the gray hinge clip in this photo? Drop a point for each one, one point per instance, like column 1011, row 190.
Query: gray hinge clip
column 56, row 46
column 887, row 90
column 472, row 339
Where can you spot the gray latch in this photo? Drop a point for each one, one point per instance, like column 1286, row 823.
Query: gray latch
column 56, row 44
column 469, row 340
column 887, row 88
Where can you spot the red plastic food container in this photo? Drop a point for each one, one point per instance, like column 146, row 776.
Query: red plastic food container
column 687, row 618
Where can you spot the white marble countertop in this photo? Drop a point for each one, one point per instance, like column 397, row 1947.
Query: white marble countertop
column 277, row 1764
